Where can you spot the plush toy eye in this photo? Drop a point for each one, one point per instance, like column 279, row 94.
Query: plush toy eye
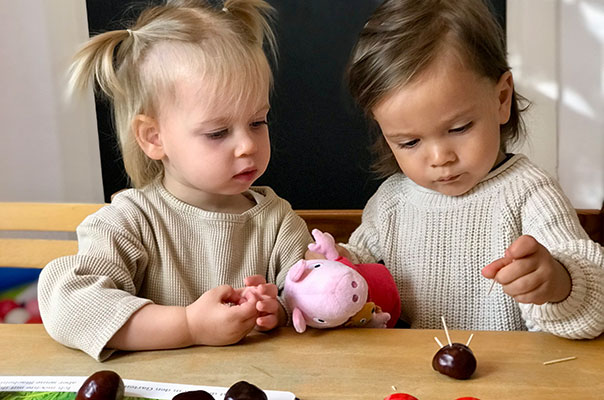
column 316, row 265
column 319, row 320
column 363, row 320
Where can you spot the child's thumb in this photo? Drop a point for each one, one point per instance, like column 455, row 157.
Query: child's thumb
column 490, row 270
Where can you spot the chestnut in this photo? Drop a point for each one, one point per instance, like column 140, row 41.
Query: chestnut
column 455, row 360
column 102, row 385
column 193, row 395
column 244, row 391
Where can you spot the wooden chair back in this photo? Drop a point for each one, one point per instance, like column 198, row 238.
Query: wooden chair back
column 48, row 219
column 29, row 232
column 341, row 223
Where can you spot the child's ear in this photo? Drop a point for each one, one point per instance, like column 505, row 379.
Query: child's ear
column 505, row 89
column 146, row 132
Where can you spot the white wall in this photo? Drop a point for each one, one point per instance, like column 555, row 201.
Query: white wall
column 49, row 149
column 581, row 106
column 556, row 50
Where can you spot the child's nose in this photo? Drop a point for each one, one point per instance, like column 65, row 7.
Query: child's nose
column 246, row 143
column 441, row 154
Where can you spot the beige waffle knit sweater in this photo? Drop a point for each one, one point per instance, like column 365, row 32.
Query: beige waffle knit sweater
column 148, row 246
column 435, row 246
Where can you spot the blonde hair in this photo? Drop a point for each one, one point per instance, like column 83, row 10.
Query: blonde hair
column 403, row 37
column 138, row 66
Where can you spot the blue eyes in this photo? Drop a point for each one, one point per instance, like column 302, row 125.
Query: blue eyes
column 224, row 132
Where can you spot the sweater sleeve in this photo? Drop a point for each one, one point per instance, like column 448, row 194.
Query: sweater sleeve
column 364, row 242
column 86, row 298
column 291, row 243
column 549, row 217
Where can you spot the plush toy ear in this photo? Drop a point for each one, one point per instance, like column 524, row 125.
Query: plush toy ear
column 296, row 272
column 324, row 244
column 298, row 320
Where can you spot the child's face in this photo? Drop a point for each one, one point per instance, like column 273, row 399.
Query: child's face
column 210, row 148
column 444, row 127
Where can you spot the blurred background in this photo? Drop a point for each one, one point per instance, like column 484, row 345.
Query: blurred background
column 56, row 149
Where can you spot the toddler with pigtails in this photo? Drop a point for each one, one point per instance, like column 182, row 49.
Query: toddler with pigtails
column 193, row 254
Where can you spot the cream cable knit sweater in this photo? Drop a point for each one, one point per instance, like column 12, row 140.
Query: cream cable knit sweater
column 148, row 246
column 436, row 245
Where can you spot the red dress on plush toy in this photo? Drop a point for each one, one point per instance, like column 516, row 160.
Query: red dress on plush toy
column 382, row 289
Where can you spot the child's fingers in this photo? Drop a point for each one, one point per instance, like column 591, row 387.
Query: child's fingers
column 266, row 322
column 517, row 269
column 524, row 246
column 243, row 311
column 249, row 293
column 490, row 270
column 223, row 294
column 254, row 280
column 268, row 290
column 268, row 306
column 524, row 288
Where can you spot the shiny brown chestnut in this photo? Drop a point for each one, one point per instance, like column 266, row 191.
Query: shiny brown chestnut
column 102, row 385
column 244, row 391
column 194, row 395
column 455, row 360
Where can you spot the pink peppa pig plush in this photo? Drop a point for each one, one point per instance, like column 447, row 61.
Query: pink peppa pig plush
column 334, row 292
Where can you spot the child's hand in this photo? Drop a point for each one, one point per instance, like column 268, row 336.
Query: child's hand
column 270, row 312
column 219, row 318
column 529, row 273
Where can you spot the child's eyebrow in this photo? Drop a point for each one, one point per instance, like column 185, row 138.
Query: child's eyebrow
column 399, row 135
column 266, row 107
column 455, row 117
column 446, row 122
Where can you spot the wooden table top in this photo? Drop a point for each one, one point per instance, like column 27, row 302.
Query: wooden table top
column 338, row 364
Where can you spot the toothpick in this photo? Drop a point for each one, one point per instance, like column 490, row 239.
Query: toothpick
column 469, row 340
column 491, row 288
column 559, row 360
column 438, row 341
column 446, row 331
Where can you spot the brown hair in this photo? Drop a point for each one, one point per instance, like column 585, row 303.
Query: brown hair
column 403, row 37
column 137, row 67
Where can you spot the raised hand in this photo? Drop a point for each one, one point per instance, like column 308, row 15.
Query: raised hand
column 529, row 273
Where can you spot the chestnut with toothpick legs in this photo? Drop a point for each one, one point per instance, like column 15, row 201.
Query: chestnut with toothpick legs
column 454, row 359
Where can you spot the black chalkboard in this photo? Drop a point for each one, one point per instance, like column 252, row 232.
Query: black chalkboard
column 320, row 157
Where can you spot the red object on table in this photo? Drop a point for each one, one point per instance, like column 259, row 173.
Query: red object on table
column 400, row 396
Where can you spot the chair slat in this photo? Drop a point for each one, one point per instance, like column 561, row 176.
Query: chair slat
column 61, row 217
column 34, row 253
column 64, row 217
